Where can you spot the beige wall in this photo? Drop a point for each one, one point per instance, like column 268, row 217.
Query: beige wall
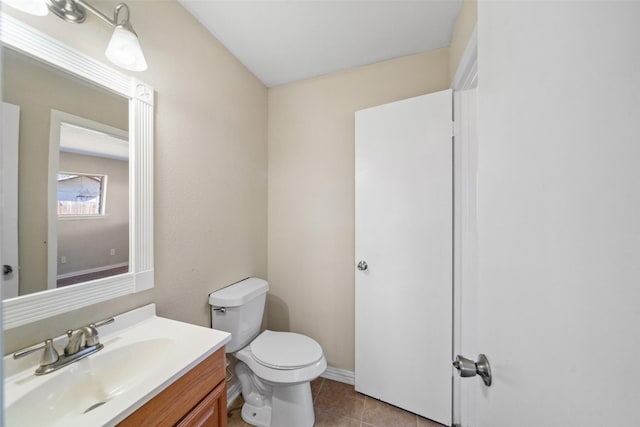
column 465, row 24
column 210, row 165
column 311, row 192
column 38, row 90
column 211, row 127
column 86, row 242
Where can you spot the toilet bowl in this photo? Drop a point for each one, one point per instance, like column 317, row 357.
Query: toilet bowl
column 274, row 368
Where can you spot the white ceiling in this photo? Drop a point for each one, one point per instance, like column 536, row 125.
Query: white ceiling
column 91, row 142
column 284, row 41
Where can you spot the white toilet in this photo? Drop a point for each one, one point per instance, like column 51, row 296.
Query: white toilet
column 274, row 368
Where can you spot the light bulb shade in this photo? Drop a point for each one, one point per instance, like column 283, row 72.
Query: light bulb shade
column 33, row 7
column 124, row 50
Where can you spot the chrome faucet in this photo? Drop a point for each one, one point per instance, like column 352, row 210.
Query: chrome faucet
column 74, row 350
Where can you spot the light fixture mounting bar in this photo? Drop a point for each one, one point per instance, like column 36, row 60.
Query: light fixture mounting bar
column 74, row 11
column 113, row 22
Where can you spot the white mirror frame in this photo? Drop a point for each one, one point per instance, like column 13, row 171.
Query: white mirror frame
column 29, row 308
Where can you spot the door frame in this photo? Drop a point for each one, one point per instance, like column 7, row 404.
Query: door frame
column 464, row 223
column 9, row 194
column 58, row 118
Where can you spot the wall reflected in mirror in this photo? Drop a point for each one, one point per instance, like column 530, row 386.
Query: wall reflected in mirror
column 71, row 153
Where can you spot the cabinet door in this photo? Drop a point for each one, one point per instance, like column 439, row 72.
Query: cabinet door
column 207, row 413
column 174, row 405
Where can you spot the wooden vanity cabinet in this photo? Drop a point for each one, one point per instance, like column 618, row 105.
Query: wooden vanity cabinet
column 198, row 398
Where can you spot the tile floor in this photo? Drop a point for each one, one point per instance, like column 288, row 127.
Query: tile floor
column 337, row 405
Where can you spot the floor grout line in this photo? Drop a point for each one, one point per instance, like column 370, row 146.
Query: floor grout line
column 319, row 390
column 364, row 405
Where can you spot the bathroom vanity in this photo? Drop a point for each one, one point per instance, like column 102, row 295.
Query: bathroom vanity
column 198, row 398
column 152, row 371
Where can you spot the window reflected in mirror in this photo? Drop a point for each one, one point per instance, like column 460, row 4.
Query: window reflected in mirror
column 81, row 195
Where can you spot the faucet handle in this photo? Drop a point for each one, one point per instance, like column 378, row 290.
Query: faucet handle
column 102, row 322
column 90, row 335
column 49, row 356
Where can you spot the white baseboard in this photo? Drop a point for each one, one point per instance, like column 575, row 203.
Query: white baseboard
column 91, row 270
column 340, row 375
column 233, row 391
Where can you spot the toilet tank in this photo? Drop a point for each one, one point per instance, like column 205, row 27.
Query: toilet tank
column 243, row 304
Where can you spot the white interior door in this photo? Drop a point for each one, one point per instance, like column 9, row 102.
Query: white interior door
column 559, row 213
column 404, row 234
column 9, row 232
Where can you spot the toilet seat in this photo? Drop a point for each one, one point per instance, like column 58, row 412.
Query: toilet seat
column 284, row 358
column 285, row 350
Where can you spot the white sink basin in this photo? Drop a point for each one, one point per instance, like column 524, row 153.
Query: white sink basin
column 137, row 362
column 90, row 383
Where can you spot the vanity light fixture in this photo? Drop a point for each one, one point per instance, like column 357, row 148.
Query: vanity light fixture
column 123, row 49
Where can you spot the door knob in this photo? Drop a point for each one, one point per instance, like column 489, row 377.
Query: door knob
column 362, row 265
column 6, row 270
column 469, row 368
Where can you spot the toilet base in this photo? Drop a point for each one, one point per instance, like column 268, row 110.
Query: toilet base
column 274, row 405
column 292, row 405
column 256, row 416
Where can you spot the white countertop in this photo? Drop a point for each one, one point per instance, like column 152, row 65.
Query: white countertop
column 143, row 354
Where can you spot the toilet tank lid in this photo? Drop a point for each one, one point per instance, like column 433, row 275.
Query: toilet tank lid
column 239, row 293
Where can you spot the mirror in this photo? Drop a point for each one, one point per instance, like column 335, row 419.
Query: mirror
column 84, row 194
column 55, row 246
